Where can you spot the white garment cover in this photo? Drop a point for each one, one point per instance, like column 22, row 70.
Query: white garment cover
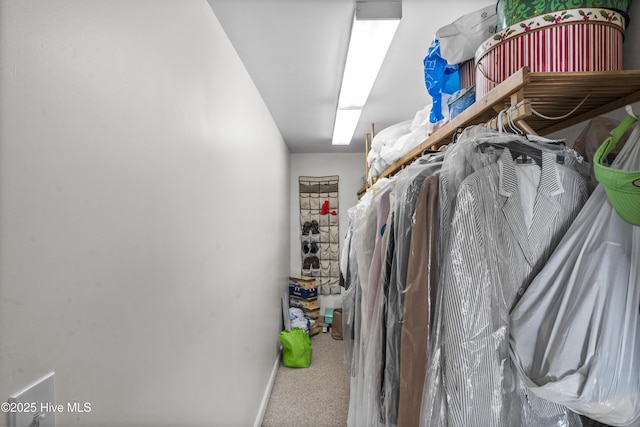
column 575, row 333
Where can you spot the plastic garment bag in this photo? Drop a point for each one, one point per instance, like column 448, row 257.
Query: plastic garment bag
column 407, row 190
column 575, row 333
column 372, row 308
column 375, row 277
column 362, row 247
column 503, row 219
column 348, row 296
column 419, row 300
column 461, row 160
column 351, row 298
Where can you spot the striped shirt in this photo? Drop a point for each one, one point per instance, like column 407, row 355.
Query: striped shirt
column 492, row 256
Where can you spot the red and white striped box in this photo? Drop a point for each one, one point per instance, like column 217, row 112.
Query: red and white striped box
column 572, row 40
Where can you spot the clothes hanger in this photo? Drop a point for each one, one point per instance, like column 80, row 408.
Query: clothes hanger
column 521, row 152
column 511, row 123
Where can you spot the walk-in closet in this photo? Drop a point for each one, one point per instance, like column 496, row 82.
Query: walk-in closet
column 337, row 213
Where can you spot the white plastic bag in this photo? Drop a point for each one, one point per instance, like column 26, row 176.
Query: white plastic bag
column 460, row 39
column 575, row 334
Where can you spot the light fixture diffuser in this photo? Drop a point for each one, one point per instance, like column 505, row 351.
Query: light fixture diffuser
column 374, row 25
column 345, row 126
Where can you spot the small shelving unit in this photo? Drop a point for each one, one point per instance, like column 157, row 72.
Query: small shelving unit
column 575, row 97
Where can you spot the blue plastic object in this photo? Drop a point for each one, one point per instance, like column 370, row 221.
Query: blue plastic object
column 440, row 77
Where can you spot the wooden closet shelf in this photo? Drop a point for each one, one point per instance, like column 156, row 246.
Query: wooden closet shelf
column 574, row 96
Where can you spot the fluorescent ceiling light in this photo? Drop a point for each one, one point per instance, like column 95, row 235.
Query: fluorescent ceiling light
column 374, row 25
column 369, row 43
column 345, row 126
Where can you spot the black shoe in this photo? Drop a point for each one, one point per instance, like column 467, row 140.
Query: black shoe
column 305, row 228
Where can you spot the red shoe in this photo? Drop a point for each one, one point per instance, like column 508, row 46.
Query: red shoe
column 325, row 208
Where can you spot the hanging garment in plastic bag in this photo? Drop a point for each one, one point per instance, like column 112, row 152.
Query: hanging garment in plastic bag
column 575, row 333
column 296, row 352
column 469, row 378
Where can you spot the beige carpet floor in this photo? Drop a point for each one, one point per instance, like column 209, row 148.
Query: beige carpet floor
column 318, row 395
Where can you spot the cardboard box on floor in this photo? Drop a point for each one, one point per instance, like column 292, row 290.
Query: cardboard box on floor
column 314, row 330
column 336, row 330
column 332, row 323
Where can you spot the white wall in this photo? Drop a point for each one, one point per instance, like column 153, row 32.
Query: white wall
column 350, row 167
column 140, row 258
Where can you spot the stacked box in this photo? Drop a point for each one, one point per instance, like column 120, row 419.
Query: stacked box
column 306, row 282
column 312, row 314
column 300, row 292
column 460, row 101
column 315, row 329
column 304, row 304
column 303, row 294
column 328, row 316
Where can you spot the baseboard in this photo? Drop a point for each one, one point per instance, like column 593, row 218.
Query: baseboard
column 267, row 391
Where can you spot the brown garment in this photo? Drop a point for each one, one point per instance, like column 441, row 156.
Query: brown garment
column 336, row 328
column 422, row 276
column 594, row 134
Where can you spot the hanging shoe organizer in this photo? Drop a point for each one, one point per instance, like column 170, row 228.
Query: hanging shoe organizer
column 319, row 223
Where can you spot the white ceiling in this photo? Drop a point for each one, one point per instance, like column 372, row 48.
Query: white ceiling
column 295, row 51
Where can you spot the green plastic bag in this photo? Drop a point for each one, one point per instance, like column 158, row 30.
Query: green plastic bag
column 297, row 348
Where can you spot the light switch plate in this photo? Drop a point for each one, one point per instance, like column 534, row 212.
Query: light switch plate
column 29, row 405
